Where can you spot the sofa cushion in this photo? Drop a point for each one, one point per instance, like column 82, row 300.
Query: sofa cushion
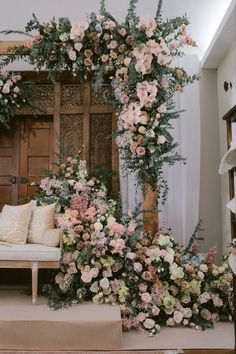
column 29, row 252
column 52, row 237
column 14, row 223
column 42, row 220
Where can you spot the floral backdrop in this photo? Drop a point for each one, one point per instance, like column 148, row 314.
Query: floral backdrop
column 108, row 258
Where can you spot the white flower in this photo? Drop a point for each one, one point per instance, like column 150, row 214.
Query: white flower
column 149, row 323
column 161, row 139
column 127, row 61
column 150, row 133
column 138, row 267
column 142, row 129
column 178, row 317
column 170, row 322
column 176, row 271
column 64, row 37
column 187, row 312
column 204, row 297
column 164, row 240
column 203, row 268
column 98, row 226
column 104, row 283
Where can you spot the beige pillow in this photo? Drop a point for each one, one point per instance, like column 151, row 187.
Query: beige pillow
column 14, row 223
column 42, row 220
column 52, row 237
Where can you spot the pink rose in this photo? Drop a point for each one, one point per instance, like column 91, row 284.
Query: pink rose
column 104, row 58
column 133, row 147
column 106, row 37
column 141, row 317
column 115, row 227
column 74, row 213
column 149, row 252
column 131, row 227
column 148, row 261
column 111, row 24
column 122, row 31
column 163, row 253
column 146, row 297
column 78, row 46
column 131, row 255
column 119, row 245
column 178, row 316
column 142, row 287
column 140, row 151
column 86, row 276
column 113, row 54
column 162, row 108
column 90, row 211
column 146, row 275
column 72, row 55
column 113, row 44
column 6, row 88
column 104, row 283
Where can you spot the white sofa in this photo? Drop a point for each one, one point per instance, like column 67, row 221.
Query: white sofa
column 33, row 256
column 28, row 240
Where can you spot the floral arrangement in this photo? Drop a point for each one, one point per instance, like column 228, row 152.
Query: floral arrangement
column 11, row 96
column 108, row 258
column 137, row 56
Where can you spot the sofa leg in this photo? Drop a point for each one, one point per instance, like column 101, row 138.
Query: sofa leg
column 34, row 282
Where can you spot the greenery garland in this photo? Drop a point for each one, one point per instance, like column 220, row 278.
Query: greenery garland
column 137, row 57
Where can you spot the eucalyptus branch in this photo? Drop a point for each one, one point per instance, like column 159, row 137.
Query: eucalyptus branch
column 159, row 7
column 195, row 236
column 131, row 17
column 8, row 32
column 102, row 7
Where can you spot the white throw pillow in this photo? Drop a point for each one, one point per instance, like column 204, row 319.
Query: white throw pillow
column 14, row 223
column 42, row 220
column 52, row 237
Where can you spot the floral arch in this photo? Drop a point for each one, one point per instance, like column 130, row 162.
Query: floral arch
column 155, row 280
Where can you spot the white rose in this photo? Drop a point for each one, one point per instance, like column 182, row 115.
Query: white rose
column 150, row 133
column 104, row 283
column 127, row 61
column 178, row 317
column 170, row 322
column 221, row 269
column 161, row 139
column 187, row 312
column 201, row 275
column 98, row 226
column 142, row 130
column 203, row 268
column 149, row 323
column 204, row 297
column 144, row 118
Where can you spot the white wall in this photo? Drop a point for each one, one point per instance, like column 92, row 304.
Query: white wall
column 210, row 197
column 226, row 100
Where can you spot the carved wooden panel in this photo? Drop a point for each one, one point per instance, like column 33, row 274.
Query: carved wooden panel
column 42, row 95
column 72, row 95
column 99, row 96
column 71, row 134
column 100, row 140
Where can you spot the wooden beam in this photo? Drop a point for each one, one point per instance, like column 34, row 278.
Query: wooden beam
column 149, row 216
column 5, row 45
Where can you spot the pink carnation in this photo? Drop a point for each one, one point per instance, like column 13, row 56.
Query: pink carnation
column 115, row 227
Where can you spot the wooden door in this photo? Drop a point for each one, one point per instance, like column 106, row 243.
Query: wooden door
column 9, row 164
column 36, row 154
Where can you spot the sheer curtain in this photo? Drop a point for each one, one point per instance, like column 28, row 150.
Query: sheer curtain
column 181, row 210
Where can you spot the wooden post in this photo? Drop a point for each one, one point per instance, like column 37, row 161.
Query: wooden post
column 150, row 215
column 56, row 121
